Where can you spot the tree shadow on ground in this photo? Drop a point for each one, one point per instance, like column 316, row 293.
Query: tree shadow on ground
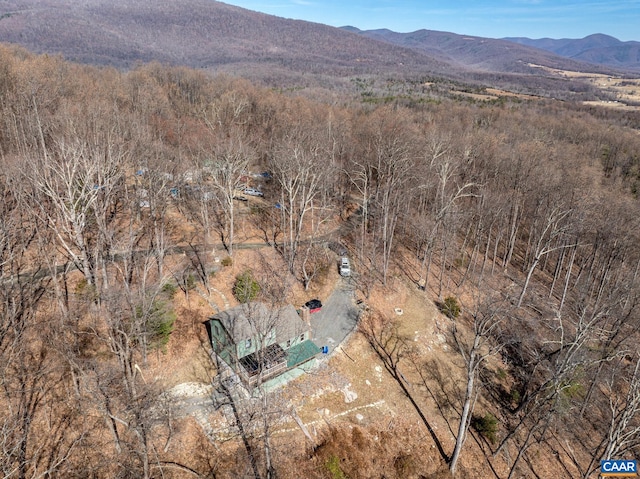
column 384, row 338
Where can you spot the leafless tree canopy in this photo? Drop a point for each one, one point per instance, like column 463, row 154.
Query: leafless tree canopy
column 118, row 187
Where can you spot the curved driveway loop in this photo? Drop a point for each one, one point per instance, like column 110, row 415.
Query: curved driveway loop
column 337, row 318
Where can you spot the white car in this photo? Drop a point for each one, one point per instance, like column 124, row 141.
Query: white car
column 345, row 266
column 252, row 192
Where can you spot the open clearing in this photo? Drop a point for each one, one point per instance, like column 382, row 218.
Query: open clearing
column 626, row 91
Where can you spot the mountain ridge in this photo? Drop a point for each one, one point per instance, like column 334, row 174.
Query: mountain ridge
column 495, row 54
column 596, row 48
column 196, row 33
column 222, row 38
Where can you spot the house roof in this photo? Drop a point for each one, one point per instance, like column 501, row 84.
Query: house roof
column 301, row 353
column 255, row 319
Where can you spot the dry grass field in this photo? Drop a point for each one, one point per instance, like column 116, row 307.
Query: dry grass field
column 625, row 90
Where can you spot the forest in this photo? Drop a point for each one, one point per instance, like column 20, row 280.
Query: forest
column 518, row 218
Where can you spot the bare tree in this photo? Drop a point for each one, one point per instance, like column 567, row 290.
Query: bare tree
column 361, row 176
column 124, row 329
column 392, row 161
column 74, row 182
column 487, row 318
column 552, row 373
column 621, row 436
column 295, row 169
column 147, row 202
column 438, row 193
column 232, row 157
column 38, row 419
column 549, row 238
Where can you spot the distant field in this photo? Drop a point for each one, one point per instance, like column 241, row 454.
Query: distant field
column 625, row 90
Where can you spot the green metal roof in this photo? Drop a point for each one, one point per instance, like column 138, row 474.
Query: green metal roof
column 301, row 353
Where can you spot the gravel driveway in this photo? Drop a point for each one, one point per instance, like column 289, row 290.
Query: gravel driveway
column 337, row 318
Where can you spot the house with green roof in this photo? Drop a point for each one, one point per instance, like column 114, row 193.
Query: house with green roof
column 259, row 343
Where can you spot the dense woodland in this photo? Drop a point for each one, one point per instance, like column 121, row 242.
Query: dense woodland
column 523, row 213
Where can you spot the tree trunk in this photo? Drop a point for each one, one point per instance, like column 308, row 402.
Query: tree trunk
column 526, row 282
column 467, row 410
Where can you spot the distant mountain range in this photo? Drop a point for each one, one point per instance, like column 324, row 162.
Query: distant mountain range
column 598, row 48
column 484, row 54
column 222, row 38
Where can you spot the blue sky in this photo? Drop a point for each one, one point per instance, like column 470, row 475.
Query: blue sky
column 485, row 18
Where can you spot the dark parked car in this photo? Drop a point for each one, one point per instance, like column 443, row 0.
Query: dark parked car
column 240, row 198
column 313, row 305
